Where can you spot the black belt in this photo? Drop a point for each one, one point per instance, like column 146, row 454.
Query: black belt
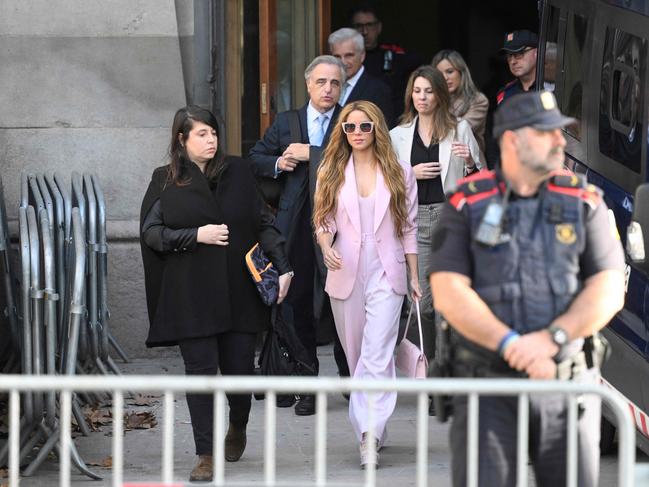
column 469, row 363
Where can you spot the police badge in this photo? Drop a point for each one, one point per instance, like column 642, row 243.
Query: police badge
column 565, row 233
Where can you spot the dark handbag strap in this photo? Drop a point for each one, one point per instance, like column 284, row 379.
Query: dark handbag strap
column 294, row 125
column 273, row 315
column 415, row 303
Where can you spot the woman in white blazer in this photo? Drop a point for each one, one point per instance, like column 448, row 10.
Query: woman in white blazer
column 441, row 150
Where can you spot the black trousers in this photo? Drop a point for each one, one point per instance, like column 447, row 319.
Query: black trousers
column 232, row 353
column 497, row 439
column 297, row 308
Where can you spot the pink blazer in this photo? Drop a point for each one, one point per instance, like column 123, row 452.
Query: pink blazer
column 345, row 225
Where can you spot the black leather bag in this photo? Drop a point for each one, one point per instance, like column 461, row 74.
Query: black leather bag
column 282, row 352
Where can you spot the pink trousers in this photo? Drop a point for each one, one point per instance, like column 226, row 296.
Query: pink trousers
column 367, row 323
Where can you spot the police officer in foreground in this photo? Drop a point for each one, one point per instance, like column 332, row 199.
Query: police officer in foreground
column 526, row 268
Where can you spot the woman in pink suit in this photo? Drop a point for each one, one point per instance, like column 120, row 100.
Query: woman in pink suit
column 365, row 215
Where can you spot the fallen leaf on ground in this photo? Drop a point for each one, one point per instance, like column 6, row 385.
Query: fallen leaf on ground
column 139, row 420
column 97, row 417
column 142, row 400
column 105, row 463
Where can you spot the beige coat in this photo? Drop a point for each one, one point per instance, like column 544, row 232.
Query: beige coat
column 476, row 115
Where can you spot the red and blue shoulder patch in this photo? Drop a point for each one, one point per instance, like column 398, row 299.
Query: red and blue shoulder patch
column 501, row 93
column 566, row 182
column 474, row 188
column 395, row 48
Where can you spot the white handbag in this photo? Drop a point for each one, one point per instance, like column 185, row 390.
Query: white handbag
column 410, row 358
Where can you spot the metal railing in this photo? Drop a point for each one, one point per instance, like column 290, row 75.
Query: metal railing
column 321, row 387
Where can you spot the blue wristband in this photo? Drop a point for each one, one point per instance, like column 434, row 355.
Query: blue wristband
column 506, row 340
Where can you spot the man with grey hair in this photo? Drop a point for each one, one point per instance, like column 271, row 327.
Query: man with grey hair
column 347, row 45
column 289, row 154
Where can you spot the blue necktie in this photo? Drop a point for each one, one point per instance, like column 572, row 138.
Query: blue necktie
column 318, row 132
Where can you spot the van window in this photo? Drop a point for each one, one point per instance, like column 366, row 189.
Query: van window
column 573, row 77
column 550, row 59
column 621, row 105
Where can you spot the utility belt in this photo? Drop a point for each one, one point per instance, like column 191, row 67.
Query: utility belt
column 469, row 363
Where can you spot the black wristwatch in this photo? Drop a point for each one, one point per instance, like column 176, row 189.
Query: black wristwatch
column 559, row 336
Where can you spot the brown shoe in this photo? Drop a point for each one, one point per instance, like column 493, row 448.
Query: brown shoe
column 235, row 442
column 203, row 470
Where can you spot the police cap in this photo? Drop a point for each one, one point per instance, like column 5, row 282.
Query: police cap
column 536, row 109
column 518, row 40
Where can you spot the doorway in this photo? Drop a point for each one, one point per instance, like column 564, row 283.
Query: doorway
column 269, row 43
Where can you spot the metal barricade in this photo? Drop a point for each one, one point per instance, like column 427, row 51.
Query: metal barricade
column 61, row 232
column 102, row 282
column 321, row 387
column 12, row 340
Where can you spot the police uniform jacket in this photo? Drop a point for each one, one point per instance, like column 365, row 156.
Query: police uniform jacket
column 512, row 88
column 551, row 243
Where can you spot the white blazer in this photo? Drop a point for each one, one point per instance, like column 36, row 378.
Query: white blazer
column 452, row 167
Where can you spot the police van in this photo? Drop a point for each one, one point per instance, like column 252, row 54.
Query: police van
column 594, row 55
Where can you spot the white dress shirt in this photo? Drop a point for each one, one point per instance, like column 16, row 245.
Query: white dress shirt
column 349, row 86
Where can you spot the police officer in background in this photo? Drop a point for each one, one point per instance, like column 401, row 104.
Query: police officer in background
column 389, row 62
column 527, row 266
column 520, row 50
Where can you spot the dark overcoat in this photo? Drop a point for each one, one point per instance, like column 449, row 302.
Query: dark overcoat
column 207, row 289
column 298, row 187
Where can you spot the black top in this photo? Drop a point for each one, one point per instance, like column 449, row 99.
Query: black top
column 428, row 190
column 452, row 245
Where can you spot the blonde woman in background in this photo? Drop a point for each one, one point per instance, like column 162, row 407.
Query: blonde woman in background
column 365, row 219
column 466, row 101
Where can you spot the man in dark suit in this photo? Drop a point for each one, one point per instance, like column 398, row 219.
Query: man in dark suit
column 347, row 45
column 290, row 152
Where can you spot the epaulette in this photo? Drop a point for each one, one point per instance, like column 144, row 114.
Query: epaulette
column 395, row 48
column 500, row 96
column 566, row 182
column 474, row 188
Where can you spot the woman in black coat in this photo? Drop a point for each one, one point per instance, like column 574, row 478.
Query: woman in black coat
column 201, row 214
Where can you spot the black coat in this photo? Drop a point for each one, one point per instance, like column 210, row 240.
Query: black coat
column 206, row 289
column 373, row 89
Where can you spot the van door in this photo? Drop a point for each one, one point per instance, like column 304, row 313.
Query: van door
column 617, row 155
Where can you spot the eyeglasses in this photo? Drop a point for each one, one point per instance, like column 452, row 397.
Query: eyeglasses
column 350, row 127
column 366, row 25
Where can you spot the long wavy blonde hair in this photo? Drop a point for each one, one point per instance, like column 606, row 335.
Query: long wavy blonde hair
column 331, row 172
